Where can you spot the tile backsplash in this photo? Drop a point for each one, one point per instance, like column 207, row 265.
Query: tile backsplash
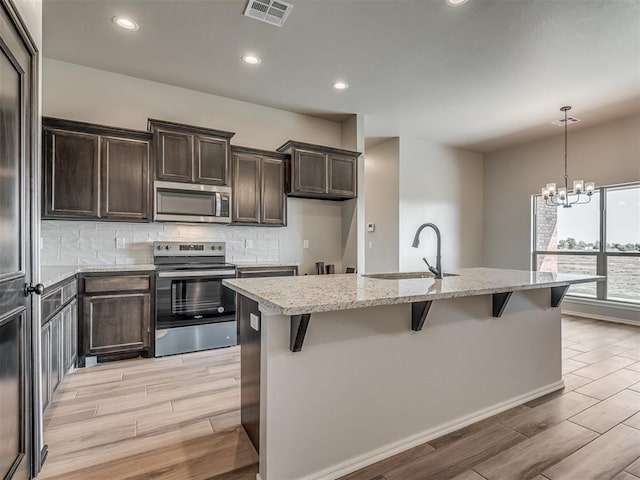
column 94, row 243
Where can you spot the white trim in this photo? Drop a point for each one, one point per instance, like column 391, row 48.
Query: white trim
column 601, row 317
column 603, row 303
column 391, row 449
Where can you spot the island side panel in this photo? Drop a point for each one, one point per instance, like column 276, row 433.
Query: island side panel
column 365, row 386
column 249, row 369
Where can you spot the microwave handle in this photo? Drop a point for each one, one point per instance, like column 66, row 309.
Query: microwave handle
column 218, row 204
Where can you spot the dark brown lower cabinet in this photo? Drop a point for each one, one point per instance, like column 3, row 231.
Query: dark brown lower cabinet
column 117, row 315
column 117, row 323
column 249, row 339
column 58, row 337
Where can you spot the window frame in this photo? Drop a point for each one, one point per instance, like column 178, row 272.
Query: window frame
column 601, row 255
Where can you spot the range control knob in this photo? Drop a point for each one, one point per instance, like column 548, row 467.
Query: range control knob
column 159, row 247
column 220, row 247
column 167, row 247
column 213, row 247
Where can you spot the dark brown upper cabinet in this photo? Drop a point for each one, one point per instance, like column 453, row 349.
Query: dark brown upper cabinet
column 125, row 179
column 71, row 171
column 95, row 172
column 189, row 154
column 322, row 172
column 259, row 187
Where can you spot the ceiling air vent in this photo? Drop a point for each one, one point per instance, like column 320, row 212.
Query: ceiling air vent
column 570, row 120
column 268, row 11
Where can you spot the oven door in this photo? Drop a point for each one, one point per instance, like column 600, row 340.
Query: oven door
column 185, row 298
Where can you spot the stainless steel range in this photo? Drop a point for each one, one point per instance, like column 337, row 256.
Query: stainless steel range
column 194, row 311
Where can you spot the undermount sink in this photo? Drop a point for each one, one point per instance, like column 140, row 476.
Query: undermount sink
column 405, row 275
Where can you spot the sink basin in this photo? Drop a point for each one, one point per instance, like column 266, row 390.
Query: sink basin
column 405, row 275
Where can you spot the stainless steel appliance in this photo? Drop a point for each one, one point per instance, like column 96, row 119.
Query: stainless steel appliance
column 186, row 202
column 194, row 311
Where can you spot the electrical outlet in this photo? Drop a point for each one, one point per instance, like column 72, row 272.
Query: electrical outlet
column 371, row 227
column 121, row 242
column 254, row 321
column 305, row 244
column 248, row 243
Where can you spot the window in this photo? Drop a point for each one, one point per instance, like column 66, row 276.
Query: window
column 601, row 237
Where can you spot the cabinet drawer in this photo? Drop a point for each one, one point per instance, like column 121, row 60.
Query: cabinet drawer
column 69, row 291
column 117, row 283
column 50, row 303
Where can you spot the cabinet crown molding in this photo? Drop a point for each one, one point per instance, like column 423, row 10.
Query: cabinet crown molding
column 294, row 144
column 154, row 124
column 93, row 128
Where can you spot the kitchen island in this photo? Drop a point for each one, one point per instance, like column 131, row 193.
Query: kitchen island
column 346, row 370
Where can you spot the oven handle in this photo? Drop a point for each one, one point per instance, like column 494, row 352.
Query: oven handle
column 200, row 273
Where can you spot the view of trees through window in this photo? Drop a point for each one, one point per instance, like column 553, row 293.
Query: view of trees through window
column 571, row 240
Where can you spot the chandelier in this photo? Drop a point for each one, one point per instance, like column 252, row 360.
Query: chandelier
column 561, row 196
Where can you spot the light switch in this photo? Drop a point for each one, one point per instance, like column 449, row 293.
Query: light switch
column 370, row 244
column 121, row 242
column 305, row 244
column 254, row 320
column 248, row 243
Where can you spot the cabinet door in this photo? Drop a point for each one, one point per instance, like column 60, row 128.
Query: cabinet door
column 74, row 332
column 71, row 174
column 309, row 172
column 246, row 188
column 56, row 351
column 45, row 365
column 174, row 156
column 70, row 335
column 342, row 176
column 116, row 323
column 274, row 200
column 211, row 161
column 125, row 179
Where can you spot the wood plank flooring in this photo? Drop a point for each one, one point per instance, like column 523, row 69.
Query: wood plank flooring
column 172, row 418
column 177, row 418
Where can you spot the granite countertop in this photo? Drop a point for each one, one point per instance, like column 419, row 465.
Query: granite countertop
column 50, row 275
column 265, row 264
column 326, row 293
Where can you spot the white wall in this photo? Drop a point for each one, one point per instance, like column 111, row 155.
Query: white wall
column 442, row 185
column 607, row 154
column 31, row 13
column 382, row 183
column 86, row 94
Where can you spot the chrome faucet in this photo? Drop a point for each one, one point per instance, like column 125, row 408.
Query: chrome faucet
column 437, row 272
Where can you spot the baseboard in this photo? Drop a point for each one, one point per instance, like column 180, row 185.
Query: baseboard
column 394, row 448
column 601, row 317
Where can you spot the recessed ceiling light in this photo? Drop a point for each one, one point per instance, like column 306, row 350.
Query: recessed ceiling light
column 251, row 59
column 340, row 85
column 125, row 23
column 455, row 3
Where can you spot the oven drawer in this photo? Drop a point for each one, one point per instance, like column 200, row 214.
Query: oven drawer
column 117, row 283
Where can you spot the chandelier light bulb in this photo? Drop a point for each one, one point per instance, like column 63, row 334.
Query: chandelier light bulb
column 578, row 186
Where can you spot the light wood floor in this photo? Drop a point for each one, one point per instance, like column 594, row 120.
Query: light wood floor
column 177, row 418
column 171, row 418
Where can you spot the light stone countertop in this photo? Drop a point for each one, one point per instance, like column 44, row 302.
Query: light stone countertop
column 326, row 293
column 50, row 275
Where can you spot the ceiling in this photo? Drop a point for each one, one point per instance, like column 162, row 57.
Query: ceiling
column 481, row 76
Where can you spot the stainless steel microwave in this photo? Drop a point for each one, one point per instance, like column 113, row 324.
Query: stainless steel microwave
column 185, row 202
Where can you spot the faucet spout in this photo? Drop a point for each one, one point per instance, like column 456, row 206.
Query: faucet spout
column 437, row 271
